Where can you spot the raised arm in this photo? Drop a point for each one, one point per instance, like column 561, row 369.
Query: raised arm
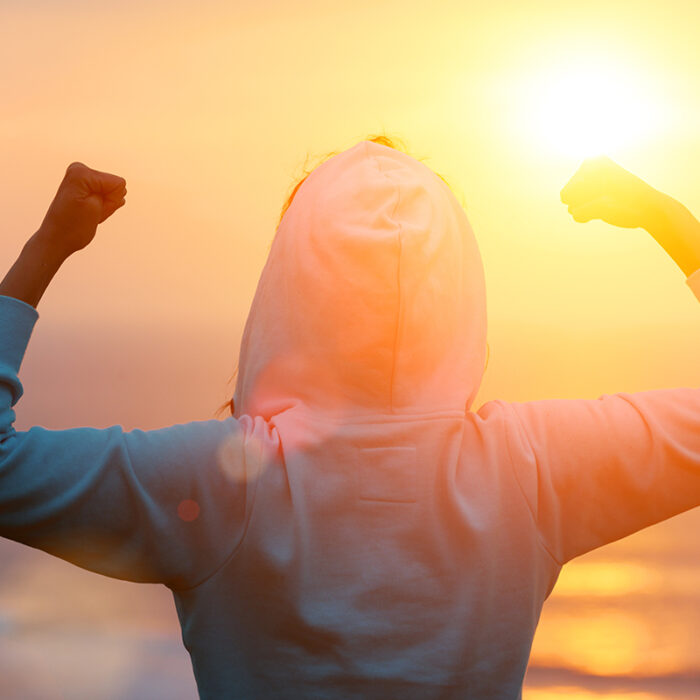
column 155, row 506
column 601, row 189
column 597, row 470
column 85, row 198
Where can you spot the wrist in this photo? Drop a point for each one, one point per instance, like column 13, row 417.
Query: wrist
column 33, row 270
column 678, row 232
column 662, row 213
column 46, row 240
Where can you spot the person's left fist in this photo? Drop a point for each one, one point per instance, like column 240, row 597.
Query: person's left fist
column 85, row 198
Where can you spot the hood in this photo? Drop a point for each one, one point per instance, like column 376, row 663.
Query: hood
column 372, row 299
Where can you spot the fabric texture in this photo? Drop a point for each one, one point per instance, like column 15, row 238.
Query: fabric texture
column 361, row 531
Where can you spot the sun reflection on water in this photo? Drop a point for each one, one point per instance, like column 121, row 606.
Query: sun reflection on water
column 617, row 617
column 607, row 578
column 573, row 693
column 609, row 642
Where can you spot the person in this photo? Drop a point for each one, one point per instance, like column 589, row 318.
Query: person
column 354, row 529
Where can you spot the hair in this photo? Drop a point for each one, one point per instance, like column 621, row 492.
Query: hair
column 382, row 139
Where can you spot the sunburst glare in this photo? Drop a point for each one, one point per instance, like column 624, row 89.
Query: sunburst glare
column 589, row 106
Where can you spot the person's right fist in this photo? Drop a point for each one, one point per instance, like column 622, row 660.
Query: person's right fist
column 85, row 198
column 601, row 189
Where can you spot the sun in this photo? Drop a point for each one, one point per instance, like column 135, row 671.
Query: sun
column 590, row 107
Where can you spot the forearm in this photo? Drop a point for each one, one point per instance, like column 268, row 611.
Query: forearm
column 35, row 267
column 677, row 231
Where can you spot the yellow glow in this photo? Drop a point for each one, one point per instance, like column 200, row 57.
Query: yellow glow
column 574, row 693
column 588, row 106
column 595, row 643
column 606, row 578
column 604, row 640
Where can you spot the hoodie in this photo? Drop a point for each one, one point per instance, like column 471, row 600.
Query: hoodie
column 355, row 529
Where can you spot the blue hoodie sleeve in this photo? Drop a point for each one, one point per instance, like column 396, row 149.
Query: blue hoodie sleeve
column 597, row 470
column 149, row 506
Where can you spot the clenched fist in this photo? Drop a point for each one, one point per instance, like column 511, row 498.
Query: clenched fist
column 601, row 189
column 85, row 198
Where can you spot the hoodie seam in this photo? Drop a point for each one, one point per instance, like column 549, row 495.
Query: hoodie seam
column 398, row 312
column 374, row 418
column 229, row 557
column 531, row 510
column 398, row 282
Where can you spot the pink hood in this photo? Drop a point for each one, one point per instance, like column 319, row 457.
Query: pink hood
column 372, row 299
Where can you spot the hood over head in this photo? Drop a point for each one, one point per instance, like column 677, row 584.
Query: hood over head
column 372, row 299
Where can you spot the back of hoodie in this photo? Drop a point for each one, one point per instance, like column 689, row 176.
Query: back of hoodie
column 395, row 543
column 393, row 557
column 355, row 530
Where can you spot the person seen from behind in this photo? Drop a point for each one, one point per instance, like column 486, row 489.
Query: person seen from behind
column 355, row 527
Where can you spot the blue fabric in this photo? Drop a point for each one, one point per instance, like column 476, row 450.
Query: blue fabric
column 106, row 499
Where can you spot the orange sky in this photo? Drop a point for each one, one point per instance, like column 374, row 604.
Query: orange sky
column 209, row 109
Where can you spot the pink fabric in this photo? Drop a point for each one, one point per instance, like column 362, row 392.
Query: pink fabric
column 398, row 543
column 372, row 298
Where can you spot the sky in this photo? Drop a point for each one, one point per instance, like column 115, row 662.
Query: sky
column 211, row 111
